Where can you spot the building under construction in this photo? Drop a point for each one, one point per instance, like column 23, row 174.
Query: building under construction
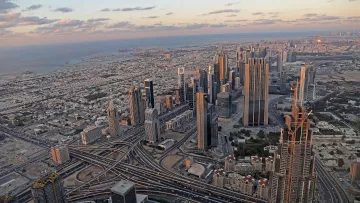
column 293, row 178
column 48, row 189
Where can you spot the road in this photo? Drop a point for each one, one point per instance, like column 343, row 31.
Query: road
column 333, row 191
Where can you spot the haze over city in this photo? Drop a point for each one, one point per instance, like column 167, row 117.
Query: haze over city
column 48, row 21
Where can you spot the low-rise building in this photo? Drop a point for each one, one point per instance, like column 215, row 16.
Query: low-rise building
column 269, row 164
column 263, row 189
column 90, row 134
column 243, row 168
column 218, row 178
column 257, row 164
column 229, row 163
column 60, row 154
column 247, row 185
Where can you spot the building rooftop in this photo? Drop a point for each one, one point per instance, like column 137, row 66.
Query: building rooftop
column 197, row 169
column 122, row 187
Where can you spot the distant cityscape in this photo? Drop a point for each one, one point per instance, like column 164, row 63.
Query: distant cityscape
column 260, row 121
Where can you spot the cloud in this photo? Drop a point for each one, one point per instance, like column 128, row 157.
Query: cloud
column 352, row 0
column 64, row 10
column 4, row 32
column 97, row 20
column 274, row 14
column 236, row 21
column 217, row 25
column 69, row 22
column 265, row 22
column 7, row 5
column 152, row 17
column 313, row 17
column 135, row 8
column 33, row 7
column 13, row 19
column 310, row 14
column 222, row 11
column 232, row 15
column 34, row 20
column 170, row 13
column 69, row 26
column 353, row 19
column 122, row 24
column 231, row 4
column 258, row 13
column 105, row 10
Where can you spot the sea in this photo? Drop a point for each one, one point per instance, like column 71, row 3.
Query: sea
column 48, row 58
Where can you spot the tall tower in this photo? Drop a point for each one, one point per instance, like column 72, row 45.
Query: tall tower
column 293, row 178
column 201, row 76
column 152, row 125
column 149, row 90
column 241, row 60
column 279, row 63
column 211, row 89
column 113, row 119
column 201, row 116
column 136, row 106
column 48, row 189
column 181, row 83
column 191, row 93
column 256, row 92
column 169, row 102
column 232, row 80
column 223, row 66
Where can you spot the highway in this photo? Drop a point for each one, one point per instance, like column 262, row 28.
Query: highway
column 334, row 192
column 173, row 181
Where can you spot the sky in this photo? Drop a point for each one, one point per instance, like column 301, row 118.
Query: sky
column 25, row 22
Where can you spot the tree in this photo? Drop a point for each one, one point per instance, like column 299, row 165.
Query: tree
column 339, row 151
column 331, row 153
column 261, row 134
column 341, row 162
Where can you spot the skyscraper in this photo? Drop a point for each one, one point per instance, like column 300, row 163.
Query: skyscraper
column 201, row 115
column 191, row 93
column 241, row 60
column 48, row 188
column 279, row 63
column 149, row 90
column 283, row 83
column 202, row 78
column 224, row 104
column 223, row 66
column 177, row 96
column 212, row 125
column 152, row 125
column 232, row 80
column 113, row 119
column 256, row 92
column 307, row 84
column 211, row 89
column 293, row 178
column 181, row 83
column 169, row 102
column 137, row 111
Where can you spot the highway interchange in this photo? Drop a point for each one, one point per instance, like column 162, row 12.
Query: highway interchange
column 149, row 175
